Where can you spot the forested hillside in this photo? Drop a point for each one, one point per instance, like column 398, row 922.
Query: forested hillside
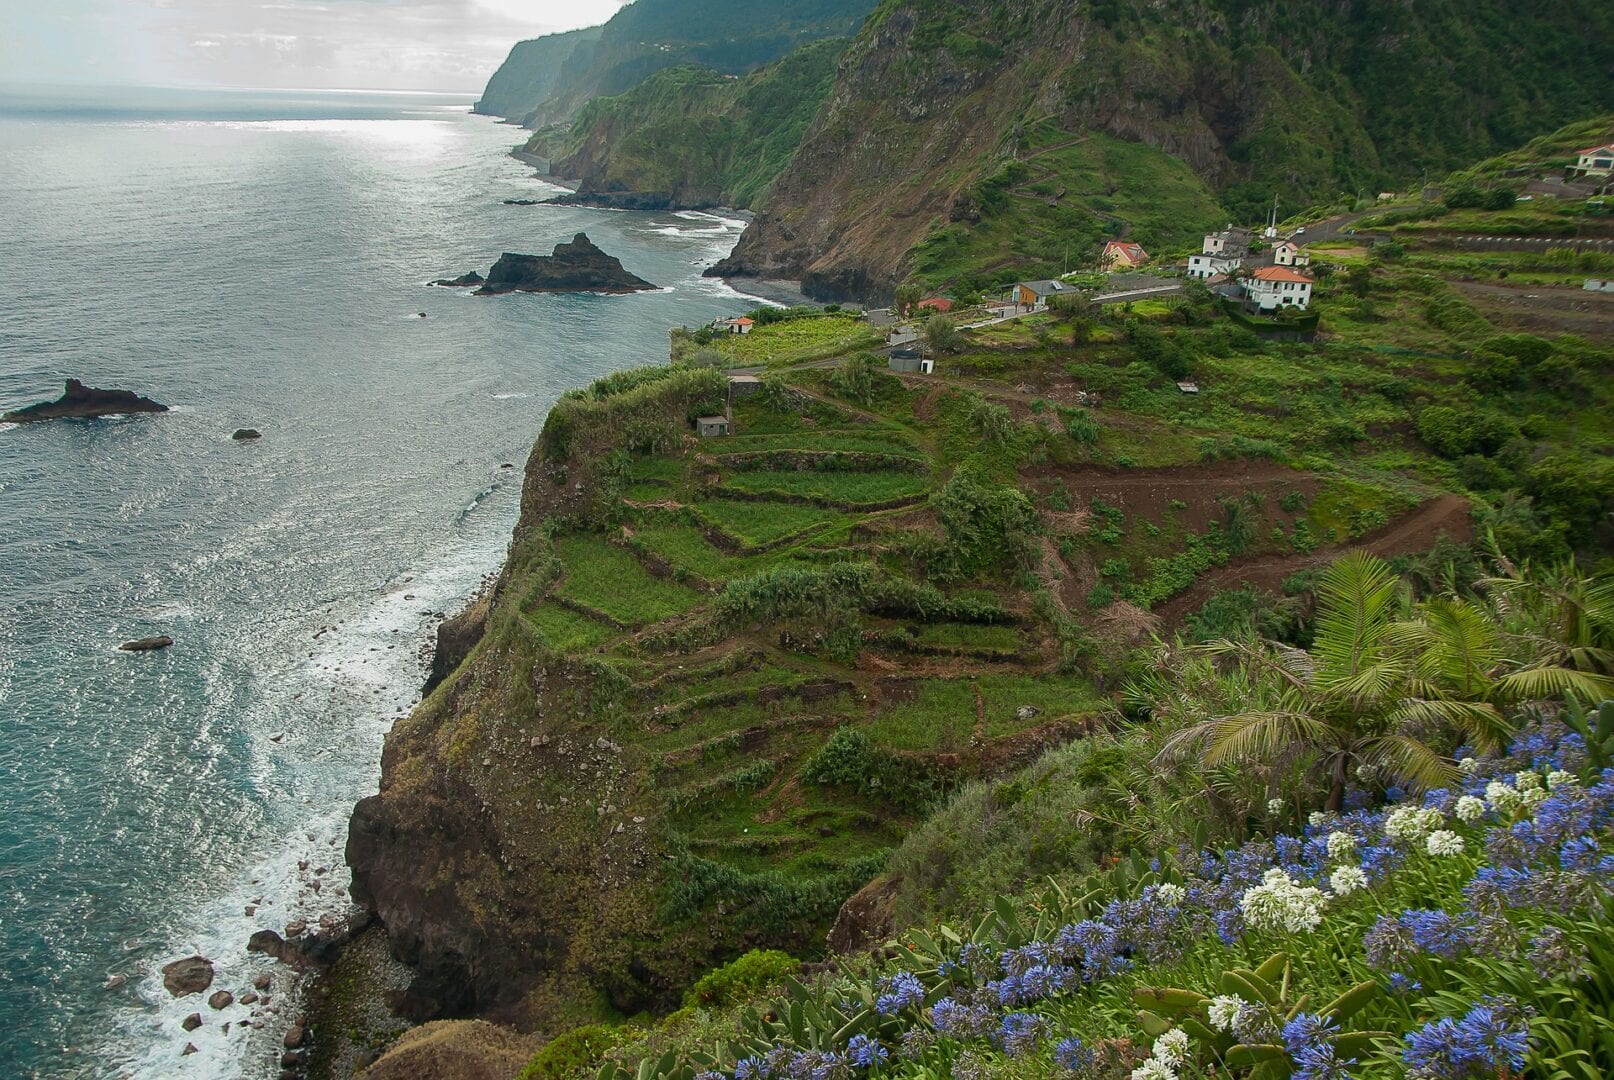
column 647, row 36
column 947, row 122
column 691, row 137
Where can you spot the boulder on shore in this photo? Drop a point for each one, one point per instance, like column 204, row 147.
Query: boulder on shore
column 579, row 266
column 81, row 400
column 242, row 434
column 147, row 644
column 221, row 999
column 191, row 975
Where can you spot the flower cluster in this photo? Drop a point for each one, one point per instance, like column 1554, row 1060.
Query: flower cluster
column 1281, row 903
column 1491, row 1036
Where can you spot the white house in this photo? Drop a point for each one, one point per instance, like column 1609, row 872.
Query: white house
column 1273, row 287
column 742, row 325
column 1595, row 160
column 1288, row 253
column 1221, row 253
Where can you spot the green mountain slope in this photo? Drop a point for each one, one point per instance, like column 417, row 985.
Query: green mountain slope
column 730, row 36
column 937, row 101
column 530, row 73
column 692, row 137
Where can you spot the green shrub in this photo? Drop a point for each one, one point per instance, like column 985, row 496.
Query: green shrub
column 570, row 1053
column 740, row 978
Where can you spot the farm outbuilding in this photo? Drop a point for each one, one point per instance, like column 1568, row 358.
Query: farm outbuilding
column 708, row 426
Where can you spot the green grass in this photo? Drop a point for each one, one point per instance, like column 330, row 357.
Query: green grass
column 851, row 488
column 876, row 440
column 687, row 547
column 799, row 340
column 969, row 636
column 608, row 579
column 755, row 524
column 568, row 631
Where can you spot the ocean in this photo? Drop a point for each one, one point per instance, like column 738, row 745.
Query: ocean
column 251, row 259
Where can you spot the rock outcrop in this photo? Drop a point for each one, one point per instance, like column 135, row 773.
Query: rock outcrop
column 191, row 975
column 246, row 434
column 578, row 266
column 147, row 644
column 84, row 401
column 465, row 281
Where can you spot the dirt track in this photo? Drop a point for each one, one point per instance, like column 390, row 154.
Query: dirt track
column 1544, row 309
column 1415, row 531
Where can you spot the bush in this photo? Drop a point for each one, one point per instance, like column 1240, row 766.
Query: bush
column 740, row 978
column 942, row 336
column 1079, row 425
column 568, row 1054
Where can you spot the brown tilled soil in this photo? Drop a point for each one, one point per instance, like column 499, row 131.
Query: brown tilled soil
column 1147, row 493
column 1543, row 309
column 1415, row 531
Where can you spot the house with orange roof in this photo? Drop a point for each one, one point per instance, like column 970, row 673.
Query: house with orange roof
column 741, row 325
column 1122, row 255
column 938, row 304
column 1595, row 160
column 1272, row 288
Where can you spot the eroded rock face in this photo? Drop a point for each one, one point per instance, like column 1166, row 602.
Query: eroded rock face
column 81, row 400
column 191, row 975
column 455, row 1050
column 578, row 266
column 456, row 637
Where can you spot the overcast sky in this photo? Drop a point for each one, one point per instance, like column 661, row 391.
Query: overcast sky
column 381, row 44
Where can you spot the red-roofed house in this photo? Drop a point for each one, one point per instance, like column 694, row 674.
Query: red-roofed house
column 1595, row 160
column 1122, row 255
column 939, row 304
column 742, row 325
column 1273, row 287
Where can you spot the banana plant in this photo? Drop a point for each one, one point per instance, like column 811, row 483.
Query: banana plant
column 1268, row 989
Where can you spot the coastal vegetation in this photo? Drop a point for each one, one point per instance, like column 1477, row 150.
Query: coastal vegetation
column 1139, row 694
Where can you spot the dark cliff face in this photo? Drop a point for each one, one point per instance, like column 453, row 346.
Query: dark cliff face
column 578, row 266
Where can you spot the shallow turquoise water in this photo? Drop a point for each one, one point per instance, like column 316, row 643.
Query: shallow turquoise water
column 251, row 260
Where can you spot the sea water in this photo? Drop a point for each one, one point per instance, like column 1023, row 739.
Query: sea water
column 251, row 260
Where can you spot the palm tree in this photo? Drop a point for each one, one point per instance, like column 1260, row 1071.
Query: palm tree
column 1367, row 692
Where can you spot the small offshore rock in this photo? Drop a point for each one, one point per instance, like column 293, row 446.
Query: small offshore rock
column 221, row 999
column 295, row 927
column 190, row 1048
column 114, row 981
column 262, row 981
column 249, row 998
column 191, row 1022
column 160, row 641
column 295, row 1036
column 191, row 975
column 246, row 433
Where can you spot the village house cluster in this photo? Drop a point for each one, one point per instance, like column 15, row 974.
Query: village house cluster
column 1268, row 280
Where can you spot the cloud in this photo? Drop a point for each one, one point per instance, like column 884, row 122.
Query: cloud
column 382, row 44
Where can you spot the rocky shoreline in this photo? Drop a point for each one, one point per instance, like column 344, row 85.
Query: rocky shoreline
column 578, row 266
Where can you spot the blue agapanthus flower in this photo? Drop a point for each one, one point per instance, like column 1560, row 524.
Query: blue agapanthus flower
column 864, row 1052
column 901, row 991
column 1073, row 1055
column 1492, row 1035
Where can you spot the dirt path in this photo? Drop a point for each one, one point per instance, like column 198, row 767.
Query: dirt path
column 1413, row 532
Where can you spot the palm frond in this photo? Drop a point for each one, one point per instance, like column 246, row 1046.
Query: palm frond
column 1412, row 763
column 1479, row 722
column 1261, row 735
column 1355, row 600
column 1544, row 683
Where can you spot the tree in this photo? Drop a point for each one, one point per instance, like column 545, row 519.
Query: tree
column 942, row 336
column 1074, row 308
column 1359, row 280
column 1377, row 686
column 907, row 296
column 1358, row 697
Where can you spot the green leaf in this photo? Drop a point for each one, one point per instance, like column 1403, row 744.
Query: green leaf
column 1246, row 1054
column 1356, row 1044
column 1168, row 1000
column 1352, row 1001
column 1243, row 983
column 1271, row 967
column 1153, row 1025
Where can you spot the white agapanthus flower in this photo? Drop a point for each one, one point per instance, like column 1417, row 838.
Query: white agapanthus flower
column 1154, row 1069
column 1443, row 842
column 1282, row 903
column 1559, row 777
column 1170, row 894
column 1316, row 819
column 1275, row 806
column 1410, row 824
column 1366, row 773
column 1468, row 766
column 1172, row 1047
column 1470, row 809
column 1526, row 781
column 1224, row 1011
column 1347, row 879
column 1504, row 798
column 1340, row 845
column 1534, row 797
